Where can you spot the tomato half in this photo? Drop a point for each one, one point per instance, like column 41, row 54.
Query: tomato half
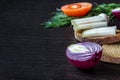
column 77, row 9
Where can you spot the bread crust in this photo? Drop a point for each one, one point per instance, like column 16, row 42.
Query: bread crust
column 100, row 40
column 110, row 59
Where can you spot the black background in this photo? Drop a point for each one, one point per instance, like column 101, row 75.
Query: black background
column 30, row 52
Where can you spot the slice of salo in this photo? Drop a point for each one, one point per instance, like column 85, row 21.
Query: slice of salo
column 104, row 31
column 90, row 25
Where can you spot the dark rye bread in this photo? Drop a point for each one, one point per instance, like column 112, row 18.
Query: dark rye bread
column 111, row 53
column 100, row 40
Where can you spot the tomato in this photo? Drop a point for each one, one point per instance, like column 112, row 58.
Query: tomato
column 77, row 9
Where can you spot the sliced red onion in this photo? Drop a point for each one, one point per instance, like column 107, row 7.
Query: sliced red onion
column 116, row 12
column 84, row 55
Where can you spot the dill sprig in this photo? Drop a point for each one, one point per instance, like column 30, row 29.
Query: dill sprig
column 59, row 19
column 104, row 8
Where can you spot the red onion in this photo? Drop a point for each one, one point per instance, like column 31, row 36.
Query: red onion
column 84, row 55
column 116, row 13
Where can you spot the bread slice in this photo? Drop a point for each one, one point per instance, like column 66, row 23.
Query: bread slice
column 100, row 40
column 111, row 53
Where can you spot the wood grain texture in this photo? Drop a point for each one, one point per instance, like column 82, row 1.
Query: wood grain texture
column 30, row 52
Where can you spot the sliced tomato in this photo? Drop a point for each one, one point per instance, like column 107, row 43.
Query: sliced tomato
column 77, row 9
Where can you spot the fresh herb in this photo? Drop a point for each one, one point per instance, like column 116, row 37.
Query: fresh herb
column 104, row 8
column 59, row 19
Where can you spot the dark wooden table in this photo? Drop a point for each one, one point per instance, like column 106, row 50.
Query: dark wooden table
column 30, row 52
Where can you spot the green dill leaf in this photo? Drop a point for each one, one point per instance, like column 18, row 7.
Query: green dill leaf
column 58, row 19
